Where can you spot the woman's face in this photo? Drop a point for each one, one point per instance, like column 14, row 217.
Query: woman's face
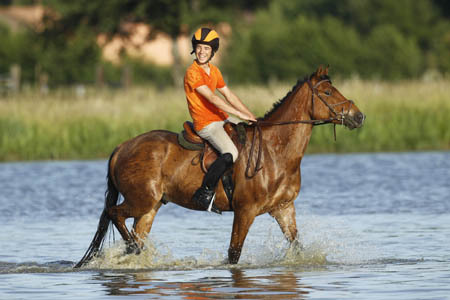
column 203, row 53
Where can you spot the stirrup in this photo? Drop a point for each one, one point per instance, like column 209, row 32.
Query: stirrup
column 212, row 207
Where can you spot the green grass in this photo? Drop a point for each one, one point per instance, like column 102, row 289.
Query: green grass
column 405, row 116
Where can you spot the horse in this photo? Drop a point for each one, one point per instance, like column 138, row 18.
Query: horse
column 152, row 169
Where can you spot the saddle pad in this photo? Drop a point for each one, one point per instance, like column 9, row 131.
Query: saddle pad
column 188, row 145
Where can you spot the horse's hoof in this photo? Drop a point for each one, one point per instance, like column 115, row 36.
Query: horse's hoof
column 295, row 248
column 133, row 249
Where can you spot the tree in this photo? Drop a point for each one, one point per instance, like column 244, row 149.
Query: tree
column 169, row 16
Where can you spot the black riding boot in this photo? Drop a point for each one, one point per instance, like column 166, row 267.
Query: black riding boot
column 206, row 194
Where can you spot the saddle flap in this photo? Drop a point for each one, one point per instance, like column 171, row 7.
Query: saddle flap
column 209, row 155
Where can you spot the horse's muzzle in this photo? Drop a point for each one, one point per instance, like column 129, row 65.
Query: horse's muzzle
column 355, row 120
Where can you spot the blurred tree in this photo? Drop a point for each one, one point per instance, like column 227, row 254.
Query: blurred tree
column 373, row 38
column 170, row 16
column 443, row 7
column 279, row 39
column 17, row 48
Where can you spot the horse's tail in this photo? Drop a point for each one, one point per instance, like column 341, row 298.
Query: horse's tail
column 111, row 198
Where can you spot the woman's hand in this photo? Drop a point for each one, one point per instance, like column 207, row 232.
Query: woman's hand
column 247, row 117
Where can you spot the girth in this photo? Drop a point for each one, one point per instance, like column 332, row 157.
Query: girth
column 190, row 140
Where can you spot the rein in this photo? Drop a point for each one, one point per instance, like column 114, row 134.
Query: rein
column 257, row 126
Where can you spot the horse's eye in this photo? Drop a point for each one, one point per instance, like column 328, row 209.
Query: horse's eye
column 328, row 92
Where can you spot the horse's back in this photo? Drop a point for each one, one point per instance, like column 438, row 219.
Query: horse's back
column 134, row 160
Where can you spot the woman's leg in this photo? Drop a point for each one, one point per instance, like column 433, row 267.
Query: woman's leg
column 219, row 139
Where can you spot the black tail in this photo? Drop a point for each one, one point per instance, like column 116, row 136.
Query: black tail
column 111, row 198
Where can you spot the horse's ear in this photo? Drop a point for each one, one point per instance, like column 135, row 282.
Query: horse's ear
column 319, row 71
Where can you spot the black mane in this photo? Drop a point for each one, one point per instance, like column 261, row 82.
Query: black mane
column 299, row 83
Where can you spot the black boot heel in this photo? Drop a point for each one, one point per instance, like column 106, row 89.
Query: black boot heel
column 204, row 198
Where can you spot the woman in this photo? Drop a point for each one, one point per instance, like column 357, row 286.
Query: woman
column 210, row 112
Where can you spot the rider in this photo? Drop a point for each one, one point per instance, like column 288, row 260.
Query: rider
column 210, row 112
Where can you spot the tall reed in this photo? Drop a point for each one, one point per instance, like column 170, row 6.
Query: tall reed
column 78, row 123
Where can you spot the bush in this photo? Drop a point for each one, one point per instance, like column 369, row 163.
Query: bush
column 372, row 38
column 69, row 59
column 274, row 48
column 17, row 48
column 389, row 55
column 144, row 72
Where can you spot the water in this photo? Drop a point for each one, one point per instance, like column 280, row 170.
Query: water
column 374, row 226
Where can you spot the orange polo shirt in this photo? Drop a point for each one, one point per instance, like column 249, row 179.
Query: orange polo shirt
column 202, row 111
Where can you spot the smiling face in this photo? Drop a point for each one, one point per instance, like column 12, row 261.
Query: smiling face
column 203, row 53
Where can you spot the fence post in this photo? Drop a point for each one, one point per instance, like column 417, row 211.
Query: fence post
column 126, row 77
column 99, row 76
column 14, row 73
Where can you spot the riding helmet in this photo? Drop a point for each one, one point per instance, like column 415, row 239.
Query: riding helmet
column 205, row 36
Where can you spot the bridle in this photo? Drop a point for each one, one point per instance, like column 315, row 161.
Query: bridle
column 336, row 116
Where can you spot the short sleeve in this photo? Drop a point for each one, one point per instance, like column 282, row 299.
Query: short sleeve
column 220, row 81
column 194, row 78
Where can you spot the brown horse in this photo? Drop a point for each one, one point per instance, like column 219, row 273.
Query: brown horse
column 152, row 169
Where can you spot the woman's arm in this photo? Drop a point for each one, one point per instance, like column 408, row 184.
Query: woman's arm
column 237, row 103
column 205, row 91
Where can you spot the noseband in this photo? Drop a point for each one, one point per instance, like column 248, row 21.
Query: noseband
column 336, row 116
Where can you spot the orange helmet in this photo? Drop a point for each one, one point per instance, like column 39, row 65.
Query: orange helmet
column 205, row 36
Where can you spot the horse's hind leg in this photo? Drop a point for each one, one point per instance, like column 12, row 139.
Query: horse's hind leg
column 143, row 224
column 118, row 214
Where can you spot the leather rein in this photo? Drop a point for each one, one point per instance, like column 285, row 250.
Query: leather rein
column 337, row 116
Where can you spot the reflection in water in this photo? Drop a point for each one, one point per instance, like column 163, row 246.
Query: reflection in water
column 206, row 284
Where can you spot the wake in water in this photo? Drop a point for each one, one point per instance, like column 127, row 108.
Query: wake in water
column 34, row 267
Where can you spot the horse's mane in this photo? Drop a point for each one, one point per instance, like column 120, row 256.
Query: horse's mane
column 299, row 83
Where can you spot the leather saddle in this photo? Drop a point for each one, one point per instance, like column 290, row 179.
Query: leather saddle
column 189, row 139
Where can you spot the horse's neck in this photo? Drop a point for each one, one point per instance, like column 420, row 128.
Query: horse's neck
column 292, row 137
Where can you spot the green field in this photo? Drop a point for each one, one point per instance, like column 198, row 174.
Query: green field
column 69, row 124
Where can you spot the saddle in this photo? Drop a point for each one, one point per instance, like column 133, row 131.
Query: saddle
column 190, row 140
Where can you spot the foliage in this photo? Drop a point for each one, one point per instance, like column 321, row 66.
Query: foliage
column 169, row 16
column 271, row 39
column 69, row 60
column 17, row 48
column 371, row 38
column 268, row 50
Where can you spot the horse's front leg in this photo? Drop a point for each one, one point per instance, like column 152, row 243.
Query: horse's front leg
column 241, row 224
column 286, row 219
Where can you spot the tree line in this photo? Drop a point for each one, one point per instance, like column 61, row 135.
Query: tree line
column 271, row 39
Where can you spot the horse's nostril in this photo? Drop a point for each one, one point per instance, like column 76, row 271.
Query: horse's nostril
column 359, row 117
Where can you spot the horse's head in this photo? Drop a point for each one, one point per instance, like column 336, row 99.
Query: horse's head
column 329, row 104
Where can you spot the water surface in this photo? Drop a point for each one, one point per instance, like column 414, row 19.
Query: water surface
column 374, row 226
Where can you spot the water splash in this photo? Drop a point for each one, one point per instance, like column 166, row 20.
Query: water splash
column 337, row 238
column 151, row 257
column 324, row 241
